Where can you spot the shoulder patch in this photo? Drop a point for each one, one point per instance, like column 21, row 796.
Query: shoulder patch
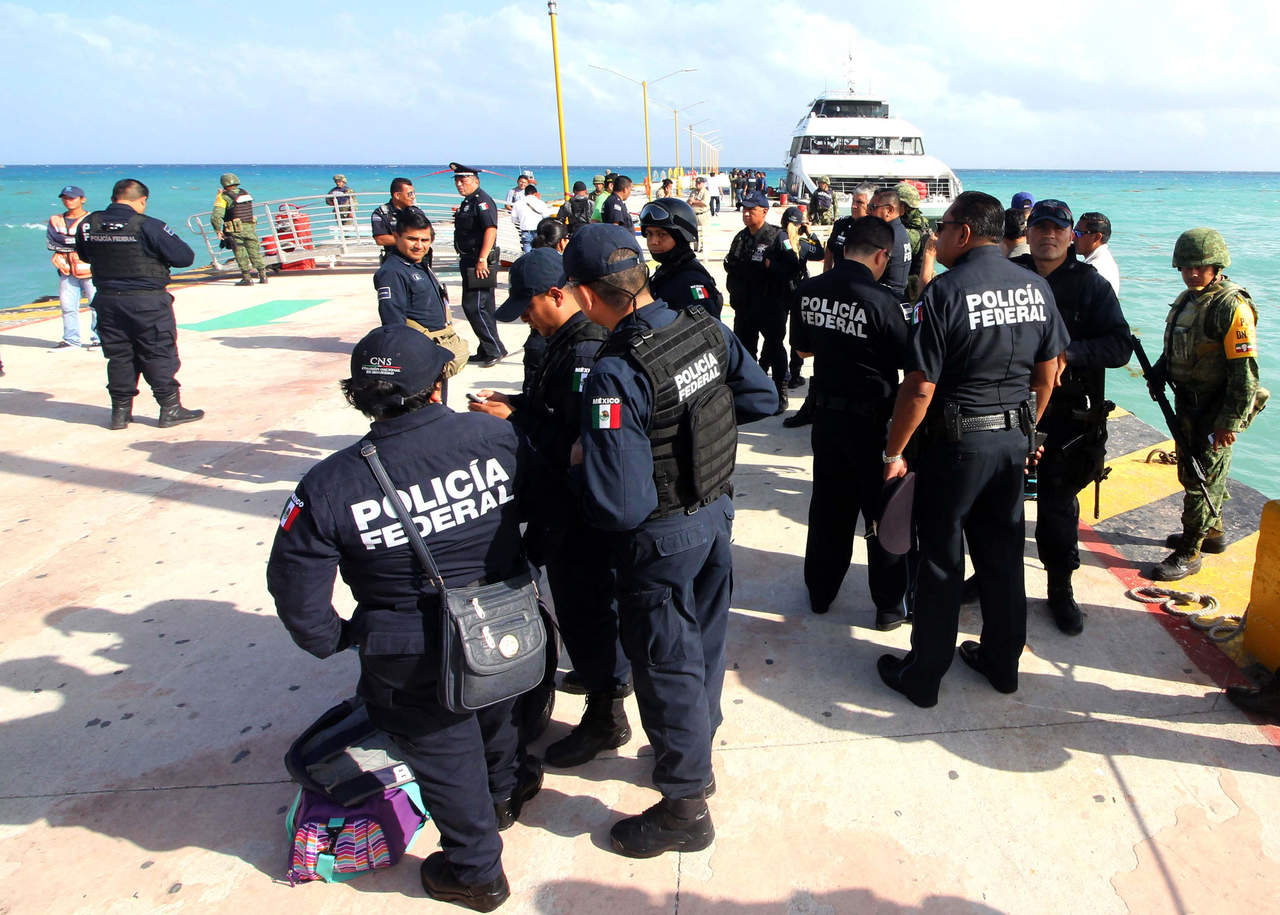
column 699, row 293
column 483, row 205
column 292, row 509
column 606, row 413
column 580, row 374
column 384, row 293
column 167, row 230
column 917, row 314
column 1242, row 336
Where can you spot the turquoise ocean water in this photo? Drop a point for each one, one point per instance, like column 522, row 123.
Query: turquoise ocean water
column 1147, row 209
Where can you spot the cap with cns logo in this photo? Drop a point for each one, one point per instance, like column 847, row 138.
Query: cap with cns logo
column 72, row 190
column 587, row 256
column 531, row 275
column 398, row 354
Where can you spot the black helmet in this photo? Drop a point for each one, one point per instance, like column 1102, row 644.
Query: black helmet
column 673, row 215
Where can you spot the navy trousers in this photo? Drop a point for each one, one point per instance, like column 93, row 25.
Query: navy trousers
column 478, row 305
column 968, row 491
column 139, row 337
column 674, row 583
column 580, row 573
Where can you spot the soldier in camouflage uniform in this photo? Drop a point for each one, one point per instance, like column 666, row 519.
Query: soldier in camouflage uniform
column 917, row 226
column 1211, row 360
column 232, row 218
column 823, row 205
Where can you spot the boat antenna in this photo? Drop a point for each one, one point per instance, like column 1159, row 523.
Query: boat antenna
column 849, row 72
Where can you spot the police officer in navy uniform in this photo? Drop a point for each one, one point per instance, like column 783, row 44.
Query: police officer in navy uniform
column 462, row 473
column 670, row 230
column 131, row 254
column 758, row 267
column 407, row 288
column 383, row 220
column 657, row 453
column 615, row 205
column 475, row 236
column 549, row 418
column 888, row 206
column 986, row 338
column 1076, row 420
column 853, row 328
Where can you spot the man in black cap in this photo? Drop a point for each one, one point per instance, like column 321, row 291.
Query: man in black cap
column 548, row 416
column 576, row 211
column 471, row 768
column 383, row 220
column 475, row 236
column 758, row 267
column 131, row 254
column 888, row 206
column 657, row 454
column 1075, row 451
column 986, row 337
column 853, row 328
column 615, row 206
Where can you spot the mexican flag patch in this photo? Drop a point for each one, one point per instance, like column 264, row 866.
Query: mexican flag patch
column 579, row 379
column 606, row 413
column 786, row 243
column 291, row 510
column 699, row 293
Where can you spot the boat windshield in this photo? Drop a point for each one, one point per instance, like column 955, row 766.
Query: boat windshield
column 858, row 146
column 827, row 108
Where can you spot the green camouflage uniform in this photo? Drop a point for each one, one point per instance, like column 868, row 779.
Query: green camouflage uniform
column 241, row 232
column 1210, row 355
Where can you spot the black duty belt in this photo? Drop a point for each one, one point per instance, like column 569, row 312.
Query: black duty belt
column 989, row 422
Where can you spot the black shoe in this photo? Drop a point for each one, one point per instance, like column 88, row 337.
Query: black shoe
column 1062, row 604
column 818, row 608
column 485, row 362
column 682, row 824
column 573, row 684
column 971, row 653
column 245, row 281
column 969, row 593
column 173, row 413
column 1177, row 565
column 528, row 783
column 802, row 417
column 796, row 382
column 63, row 344
column 1213, row 543
column 890, row 669
column 1263, row 700
column 440, row 884
column 121, row 413
column 782, row 401
column 891, row 618
column 262, row 277
column 604, row 726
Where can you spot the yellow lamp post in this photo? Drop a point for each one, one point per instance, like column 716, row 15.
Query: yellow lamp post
column 555, row 60
column 644, row 90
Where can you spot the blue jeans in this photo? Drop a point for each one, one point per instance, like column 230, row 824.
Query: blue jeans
column 70, row 289
column 526, row 241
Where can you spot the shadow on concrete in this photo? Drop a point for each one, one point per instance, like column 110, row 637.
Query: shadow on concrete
column 43, row 405
column 284, row 455
column 303, row 344
column 31, row 342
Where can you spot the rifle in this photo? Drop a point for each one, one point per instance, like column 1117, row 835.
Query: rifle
column 1171, row 420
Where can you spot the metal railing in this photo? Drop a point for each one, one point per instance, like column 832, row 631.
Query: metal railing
column 293, row 230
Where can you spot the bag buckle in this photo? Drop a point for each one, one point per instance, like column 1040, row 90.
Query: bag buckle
column 488, row 638
column 479, row 611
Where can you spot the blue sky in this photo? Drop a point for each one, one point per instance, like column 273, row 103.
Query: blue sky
column 1107, row 85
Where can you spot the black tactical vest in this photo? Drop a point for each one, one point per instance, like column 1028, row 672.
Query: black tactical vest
column 115, row 249
column 579, row 212
column 547, row 391
column 693, row 432
column 240, row 206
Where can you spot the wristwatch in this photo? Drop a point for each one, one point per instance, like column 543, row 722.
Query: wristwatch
column 890, row 458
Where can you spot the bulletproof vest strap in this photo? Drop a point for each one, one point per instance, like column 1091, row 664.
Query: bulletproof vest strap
column 116, row 251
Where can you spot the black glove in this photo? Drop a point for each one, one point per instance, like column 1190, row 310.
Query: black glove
column 1157, row 378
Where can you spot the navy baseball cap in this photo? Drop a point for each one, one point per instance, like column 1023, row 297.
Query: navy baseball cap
column 71, row 191
column 399, row 354
column 531, row 275
column 587, row 256
column 1055, row 211
column 754, row 199
column 1021, row 201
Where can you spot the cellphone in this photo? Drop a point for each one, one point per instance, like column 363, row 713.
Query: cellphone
column 475, row 398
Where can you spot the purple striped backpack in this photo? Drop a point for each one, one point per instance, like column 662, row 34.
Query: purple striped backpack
column 335, row 843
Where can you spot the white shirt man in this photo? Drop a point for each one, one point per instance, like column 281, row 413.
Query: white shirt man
column 1093, row 231
column 528, row 211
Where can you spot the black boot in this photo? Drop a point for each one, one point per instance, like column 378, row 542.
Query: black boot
column 604, row 726
column 672, row 824
column 1214, row 542
column 1176, row 566
column 440, row 883
column 528, row 783
column 173, row 413
column 802, row 417
column 262, row 277
column 1062, row 604
column 1265, row 699
column 121, row 413
column 782, row 398
column 245, row 279
column 573, row 683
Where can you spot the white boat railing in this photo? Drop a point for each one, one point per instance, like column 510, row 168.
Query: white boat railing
column 294, row 230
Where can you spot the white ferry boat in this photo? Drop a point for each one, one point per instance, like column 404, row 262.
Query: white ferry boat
column 852, row 139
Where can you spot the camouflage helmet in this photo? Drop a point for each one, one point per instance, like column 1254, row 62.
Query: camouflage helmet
column 229, row 180
column 1201, row 247
column 908, row 193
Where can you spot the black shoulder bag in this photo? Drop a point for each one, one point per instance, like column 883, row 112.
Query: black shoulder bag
column 493, row 644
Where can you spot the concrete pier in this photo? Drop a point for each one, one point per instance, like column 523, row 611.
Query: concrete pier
column 149, row 691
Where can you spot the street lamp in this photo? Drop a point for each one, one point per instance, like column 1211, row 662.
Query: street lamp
column 692, row 160
column 644, row 89
column 555, row 59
